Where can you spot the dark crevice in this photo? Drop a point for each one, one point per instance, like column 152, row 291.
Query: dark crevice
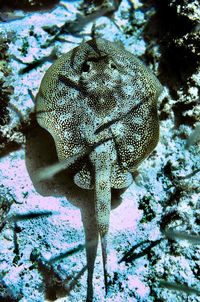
column 178, row 39
column 179, row 109
column 32, row 5
column 5, row 89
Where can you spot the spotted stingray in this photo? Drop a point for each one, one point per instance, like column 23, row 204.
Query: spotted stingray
column 99, row 102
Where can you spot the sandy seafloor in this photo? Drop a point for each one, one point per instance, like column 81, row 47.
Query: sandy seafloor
column 164, row 195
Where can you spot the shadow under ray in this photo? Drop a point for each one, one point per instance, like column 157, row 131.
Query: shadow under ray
column 41, row 152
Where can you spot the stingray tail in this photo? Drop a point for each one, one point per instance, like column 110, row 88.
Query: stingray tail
column 104, row 256
column 102, row 163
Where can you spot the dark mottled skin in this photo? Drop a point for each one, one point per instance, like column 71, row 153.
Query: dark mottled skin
column 100, row 95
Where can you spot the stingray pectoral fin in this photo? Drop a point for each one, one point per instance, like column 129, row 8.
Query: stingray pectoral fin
column 102, row 163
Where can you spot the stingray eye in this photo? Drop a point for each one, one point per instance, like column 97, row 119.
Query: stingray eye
column 113, row 66
column 85, row 67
